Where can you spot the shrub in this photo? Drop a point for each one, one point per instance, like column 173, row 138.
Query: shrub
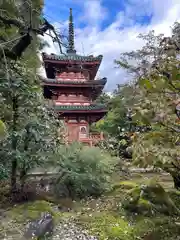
column 84, row 171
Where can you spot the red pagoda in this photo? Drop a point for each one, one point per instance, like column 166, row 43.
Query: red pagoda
column 71, row 86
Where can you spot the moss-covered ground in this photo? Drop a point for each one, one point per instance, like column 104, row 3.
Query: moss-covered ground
column 107, row 217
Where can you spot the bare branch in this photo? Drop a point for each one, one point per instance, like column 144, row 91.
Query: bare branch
column 14, row 22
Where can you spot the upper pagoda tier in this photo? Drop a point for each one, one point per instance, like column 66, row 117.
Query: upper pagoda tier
column 56, row 65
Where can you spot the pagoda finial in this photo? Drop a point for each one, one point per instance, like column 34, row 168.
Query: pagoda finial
column 71, row 34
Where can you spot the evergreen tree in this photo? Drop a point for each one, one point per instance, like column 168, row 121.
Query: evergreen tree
column 32, row 129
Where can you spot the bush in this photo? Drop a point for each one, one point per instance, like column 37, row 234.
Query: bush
column 84, row 171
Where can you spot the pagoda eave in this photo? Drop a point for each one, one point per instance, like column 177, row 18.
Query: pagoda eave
column 81, row 111
column 73, row 58
column 90, row 115
column 72, row 62
column 75, row 83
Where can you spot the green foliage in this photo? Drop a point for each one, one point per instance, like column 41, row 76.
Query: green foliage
column 156, row 72
column 104, row 98
column 3, row 131
column 116, row 121
column 118, row 125
column 31, row 126
column 84, row 171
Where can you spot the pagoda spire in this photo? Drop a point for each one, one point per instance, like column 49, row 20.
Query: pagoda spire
column 71, row 48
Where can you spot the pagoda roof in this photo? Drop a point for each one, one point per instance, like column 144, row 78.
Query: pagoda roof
column 72, row 57
column 92, row 107
column 55, row 82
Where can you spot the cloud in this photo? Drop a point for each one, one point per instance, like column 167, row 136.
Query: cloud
column 121, row 34
column 94, row 12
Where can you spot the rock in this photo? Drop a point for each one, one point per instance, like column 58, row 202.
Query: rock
column 131, row 199
column 41, row 227
column 148, row 199
column 159, row 198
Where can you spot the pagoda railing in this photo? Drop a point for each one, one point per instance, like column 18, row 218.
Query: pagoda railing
column 90, row 139
column 96, row 136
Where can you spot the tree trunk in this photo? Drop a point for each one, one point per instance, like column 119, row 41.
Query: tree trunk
column 23, row 171
column 14, row 145
column 176, row 179
column 13, row 175
column 22, row 177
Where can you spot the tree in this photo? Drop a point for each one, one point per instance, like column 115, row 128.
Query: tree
column 155, row 68
column 31, row 126
column 104, row 98
column 118, row 124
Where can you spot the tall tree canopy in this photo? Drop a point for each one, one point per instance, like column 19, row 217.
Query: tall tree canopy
column 155, row 69
column 31, row 127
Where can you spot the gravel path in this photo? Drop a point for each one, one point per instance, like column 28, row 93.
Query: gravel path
column 70, row 231
column 65, row 230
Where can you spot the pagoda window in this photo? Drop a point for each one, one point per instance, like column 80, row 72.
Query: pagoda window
column 83, row 132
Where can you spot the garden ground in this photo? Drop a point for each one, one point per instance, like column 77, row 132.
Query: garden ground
column 104, row 217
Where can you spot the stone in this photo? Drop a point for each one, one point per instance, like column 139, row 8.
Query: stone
column 40, row 227
column 149, row 199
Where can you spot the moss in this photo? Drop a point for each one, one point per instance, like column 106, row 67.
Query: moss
column 112, row 227
column 107, row 226
column 162, row 201
column 31, row 211
column 150, row 198
column 154, row 192
column 157, row 228
column 144, row 206
column 131, row 199
column 125, row 185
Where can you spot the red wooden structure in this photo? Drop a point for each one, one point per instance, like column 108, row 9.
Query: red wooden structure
column 70, row 84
